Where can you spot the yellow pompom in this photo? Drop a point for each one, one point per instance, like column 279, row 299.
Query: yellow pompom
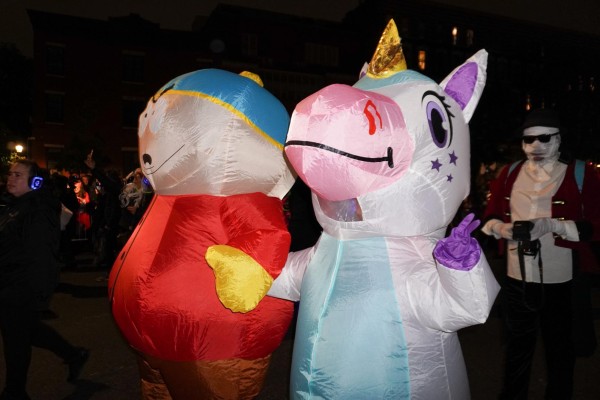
column 253, row 76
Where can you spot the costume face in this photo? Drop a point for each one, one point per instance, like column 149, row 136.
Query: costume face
column 387, row 150
column 207, row 132
column 18, row 180
column 538, row 151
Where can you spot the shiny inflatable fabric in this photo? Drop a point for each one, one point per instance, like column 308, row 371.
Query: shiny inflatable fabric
column 387, row 161
column 188, row 289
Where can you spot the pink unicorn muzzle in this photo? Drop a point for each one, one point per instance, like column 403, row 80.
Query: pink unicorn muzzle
column 344, row 142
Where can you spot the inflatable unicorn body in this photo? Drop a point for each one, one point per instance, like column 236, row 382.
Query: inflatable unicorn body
column 382, row 294
column 187, row 289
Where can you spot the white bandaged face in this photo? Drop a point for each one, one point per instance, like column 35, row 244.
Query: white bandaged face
column 538, row 151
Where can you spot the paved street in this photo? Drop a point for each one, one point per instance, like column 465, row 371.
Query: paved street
column 111, row 373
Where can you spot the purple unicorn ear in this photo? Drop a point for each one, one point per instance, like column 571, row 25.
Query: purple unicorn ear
column 465, row 84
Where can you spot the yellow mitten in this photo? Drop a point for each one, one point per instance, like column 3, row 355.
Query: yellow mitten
column 241, row 281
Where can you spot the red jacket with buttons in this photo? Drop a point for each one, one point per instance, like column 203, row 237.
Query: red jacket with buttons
column 567, row 204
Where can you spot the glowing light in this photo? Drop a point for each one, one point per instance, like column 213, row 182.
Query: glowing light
column 422, row 59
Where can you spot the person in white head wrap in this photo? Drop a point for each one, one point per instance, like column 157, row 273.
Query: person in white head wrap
column 544, row 208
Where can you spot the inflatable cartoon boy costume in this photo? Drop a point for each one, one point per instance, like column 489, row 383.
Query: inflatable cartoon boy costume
column 187, row 289
column 382, row 295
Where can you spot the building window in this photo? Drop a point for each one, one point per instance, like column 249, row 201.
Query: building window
column 250, row 44
column 55, row 107
column 422, row 59
column 54, row 153
column 321, row 54
column 55, row 59
column 454, row 35
column 470, row 37
column 528, row 103
column 132, row 107
column 133, row 67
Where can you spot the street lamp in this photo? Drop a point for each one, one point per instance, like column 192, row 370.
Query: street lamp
column 16, row 149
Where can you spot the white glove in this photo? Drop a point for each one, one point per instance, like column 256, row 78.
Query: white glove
column 499, row 229
column 542, row 226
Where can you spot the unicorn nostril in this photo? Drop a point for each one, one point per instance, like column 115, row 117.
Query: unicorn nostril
column 147, row 159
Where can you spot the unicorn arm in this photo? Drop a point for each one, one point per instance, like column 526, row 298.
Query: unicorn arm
column 456, row 256
column 473, row 292
column 448, row 299
column 288, row 283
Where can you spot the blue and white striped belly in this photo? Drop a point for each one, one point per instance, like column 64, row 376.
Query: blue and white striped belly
column 350, row 341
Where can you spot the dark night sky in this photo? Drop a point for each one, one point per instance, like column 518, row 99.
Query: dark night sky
column 580, row 15
column 171, row 14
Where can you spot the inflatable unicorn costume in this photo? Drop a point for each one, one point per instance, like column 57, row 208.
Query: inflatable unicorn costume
column 382, row 294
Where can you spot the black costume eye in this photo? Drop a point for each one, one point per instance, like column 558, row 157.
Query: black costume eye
column 438, row 118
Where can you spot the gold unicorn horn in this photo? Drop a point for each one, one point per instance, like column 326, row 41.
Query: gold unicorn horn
column 388, row 58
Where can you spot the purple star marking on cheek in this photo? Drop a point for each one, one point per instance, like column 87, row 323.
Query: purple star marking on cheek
column 453, row 158
column 436, row 164
column 450, row 178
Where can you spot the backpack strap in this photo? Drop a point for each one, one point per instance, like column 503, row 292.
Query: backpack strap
column 579, row 171
column 512, row 167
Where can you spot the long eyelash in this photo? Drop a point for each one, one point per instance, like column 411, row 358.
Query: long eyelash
column 441, row 98
column 447, row 107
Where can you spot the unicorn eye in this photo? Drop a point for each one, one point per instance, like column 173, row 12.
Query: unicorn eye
column 438, row 119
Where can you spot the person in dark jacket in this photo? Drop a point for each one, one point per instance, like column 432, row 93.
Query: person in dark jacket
column 29, row 270
column 107, row 216
column 66, row 195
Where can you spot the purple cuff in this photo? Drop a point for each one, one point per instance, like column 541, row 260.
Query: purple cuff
column 458, row 253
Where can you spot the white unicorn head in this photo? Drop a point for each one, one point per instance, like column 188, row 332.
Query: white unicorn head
column 389, row 155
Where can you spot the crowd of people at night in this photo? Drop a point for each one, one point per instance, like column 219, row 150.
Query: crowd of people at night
column 47, row 218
